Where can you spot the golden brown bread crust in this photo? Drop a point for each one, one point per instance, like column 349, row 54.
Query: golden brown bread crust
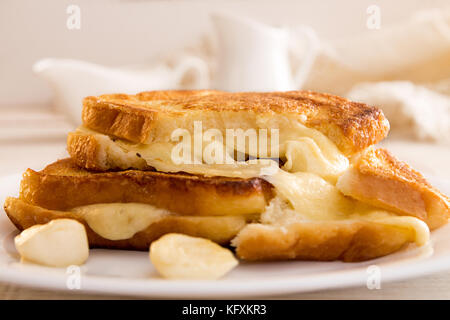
column 349, row 241
column 63, row 185
column 350, row 125
column 380, row 179
column 87, row 152
column 218, row 229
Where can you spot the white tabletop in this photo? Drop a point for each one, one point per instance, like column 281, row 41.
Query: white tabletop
column 31, row 138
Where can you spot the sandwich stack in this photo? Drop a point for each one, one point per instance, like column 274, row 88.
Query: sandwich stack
column 314, row 186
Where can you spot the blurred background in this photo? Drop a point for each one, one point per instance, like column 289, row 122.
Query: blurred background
column 392, row 54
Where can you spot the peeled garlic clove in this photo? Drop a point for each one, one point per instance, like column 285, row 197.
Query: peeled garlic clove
column 177, row 256
column 59, row 243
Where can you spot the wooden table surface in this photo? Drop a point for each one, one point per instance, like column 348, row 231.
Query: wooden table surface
column 33, row 138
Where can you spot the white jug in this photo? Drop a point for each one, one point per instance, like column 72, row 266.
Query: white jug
column 72, row 80
column 255, row 57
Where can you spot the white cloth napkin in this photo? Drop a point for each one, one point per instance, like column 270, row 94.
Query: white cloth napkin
column 417, row 50
column 413, row 111
column 404, row 69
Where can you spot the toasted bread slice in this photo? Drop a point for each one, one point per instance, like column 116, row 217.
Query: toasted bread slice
column 349, row 241
column 152, row 116
column 218, row 229
column 380, row 179
column 63, row 185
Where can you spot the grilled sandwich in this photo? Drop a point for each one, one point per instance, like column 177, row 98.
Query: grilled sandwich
column 318, row 189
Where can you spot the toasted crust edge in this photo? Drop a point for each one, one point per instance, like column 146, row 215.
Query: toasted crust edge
column 89, row 153
column 350, row 241
column 62, row 186
column 380, row 179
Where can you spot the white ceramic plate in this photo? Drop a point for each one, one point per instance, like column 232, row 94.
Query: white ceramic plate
column 131, row 273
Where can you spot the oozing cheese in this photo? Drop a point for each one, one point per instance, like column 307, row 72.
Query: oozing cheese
column 118, row 221
column 307, row 197
column 312, row 164
column 302, row 149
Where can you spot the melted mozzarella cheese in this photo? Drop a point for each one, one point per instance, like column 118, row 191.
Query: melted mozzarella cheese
column 305, row 183
column 302, row 148
column 119, row 221
column 307, row 197
column 311, row 196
